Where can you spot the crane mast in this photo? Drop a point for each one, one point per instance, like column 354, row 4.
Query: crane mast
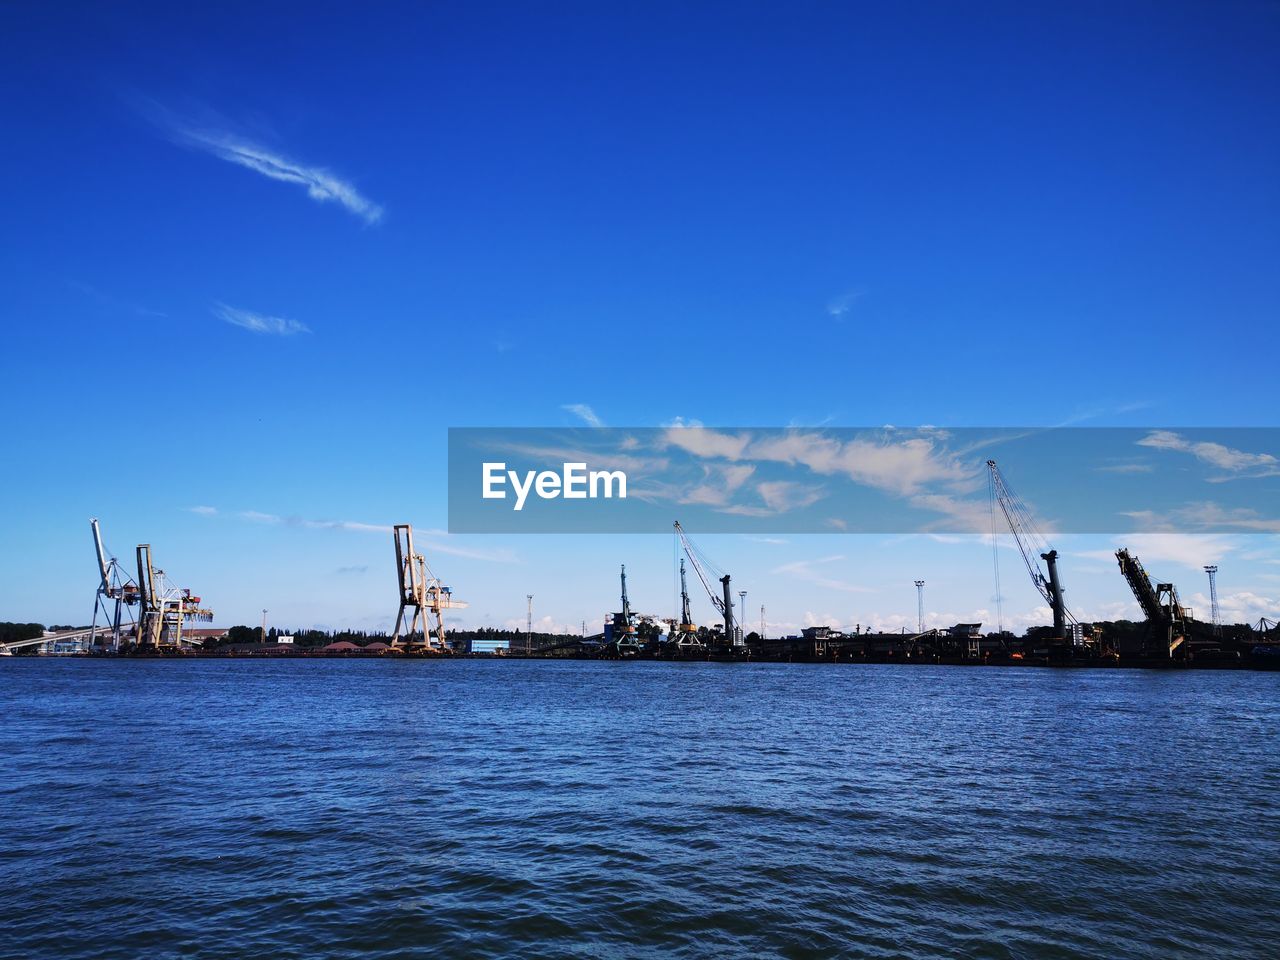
column 686, row 617
column 628, row 625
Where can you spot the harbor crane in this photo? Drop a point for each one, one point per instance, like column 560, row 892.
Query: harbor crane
column 686, row 631
column 164, row 609
column 423, row 593
column 623, row 633
column 1167, row 619
column 1031, row 544
column 114, row 599
column 723, row 603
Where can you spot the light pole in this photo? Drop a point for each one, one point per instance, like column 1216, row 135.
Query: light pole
column 264, row 624
column 1212, row 571
column 919, row 606
column 742, row 618
column 528, row 626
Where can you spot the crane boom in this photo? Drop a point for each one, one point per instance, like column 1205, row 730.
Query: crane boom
column 723, row 603
column 1030, row 544
column 1140, row 583
column 691, row 552
column 104, row 569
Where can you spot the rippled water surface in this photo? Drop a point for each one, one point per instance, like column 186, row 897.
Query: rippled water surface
column 548, row 809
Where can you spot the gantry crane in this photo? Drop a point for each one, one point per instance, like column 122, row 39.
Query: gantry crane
column 114, row 599
column 423, row 593
column 1167, row 618
column 1030, row 544
column 163, row 608
column 724, row 603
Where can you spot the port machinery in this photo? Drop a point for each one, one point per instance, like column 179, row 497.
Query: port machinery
column 1067, row 630
column 1168, row 621
column 706, row 571
column 422, row 595
column 115, row 599
column 684, row 632
column 163, row 609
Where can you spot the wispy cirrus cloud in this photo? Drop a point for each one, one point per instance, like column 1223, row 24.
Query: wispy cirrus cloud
column 584, row 413
column 838, row 307
column 1184, row 549
column 1126, row 468
column 1234, row 463
column 1205, row 516
column 259, row 322
column 432, row 541
column 322, row 185
column 810, row 571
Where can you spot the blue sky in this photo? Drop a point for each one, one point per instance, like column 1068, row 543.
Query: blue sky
column 258, row 261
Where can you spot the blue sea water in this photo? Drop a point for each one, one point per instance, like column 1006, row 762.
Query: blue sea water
column 384, row 808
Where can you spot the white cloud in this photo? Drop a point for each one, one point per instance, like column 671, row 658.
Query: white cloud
column 257, row 322
column 1126, row 468
column 428, row 541
column 547, row 624
column 259, row 517
column 204, row 511
column 839, row 306
column 1244, row 606
column 1235, row 463
column 585, row 413
column 1184, row 549
column 321, row 185
column 808, row 571
column 1212, row 515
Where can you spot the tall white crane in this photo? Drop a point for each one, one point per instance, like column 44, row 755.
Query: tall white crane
column 422, row 593
column 164, row 609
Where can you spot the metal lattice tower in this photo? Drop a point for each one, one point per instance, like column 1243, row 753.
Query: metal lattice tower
column 1212, row 571
column 919, row 606
column 528, row 625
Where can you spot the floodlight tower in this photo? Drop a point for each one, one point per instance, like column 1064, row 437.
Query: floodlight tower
column 742, row 595
column 528, row 624
column 1212, row 571
column 919, row 606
